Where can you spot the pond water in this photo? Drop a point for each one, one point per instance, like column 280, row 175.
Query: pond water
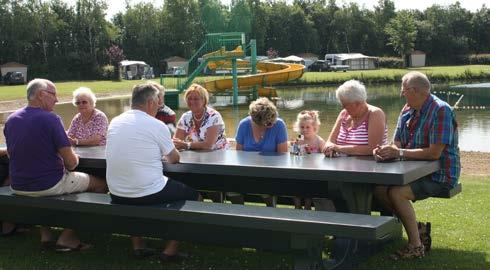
column 473, row 118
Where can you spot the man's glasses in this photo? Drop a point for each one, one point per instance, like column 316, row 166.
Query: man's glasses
column 52, row 93
column 83, row 102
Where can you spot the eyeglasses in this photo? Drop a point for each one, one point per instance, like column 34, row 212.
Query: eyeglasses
column 52, row 93
column 268, row 124
column 84, row 102
column 405, row 89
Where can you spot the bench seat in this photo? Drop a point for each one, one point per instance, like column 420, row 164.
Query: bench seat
column 213, row 223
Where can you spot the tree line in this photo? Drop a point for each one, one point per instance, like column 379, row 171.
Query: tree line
column 59, row 41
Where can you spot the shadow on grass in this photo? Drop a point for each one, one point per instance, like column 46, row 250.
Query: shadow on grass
column 23, row 251
column 437, row 258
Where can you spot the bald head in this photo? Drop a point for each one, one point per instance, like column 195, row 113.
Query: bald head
column 36, row 85
column 417, row 80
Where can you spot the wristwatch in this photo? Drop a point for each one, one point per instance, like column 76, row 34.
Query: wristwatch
column 400, row 153
column 188, row 145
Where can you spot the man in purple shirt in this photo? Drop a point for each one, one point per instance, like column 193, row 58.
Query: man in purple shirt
column 41, row 155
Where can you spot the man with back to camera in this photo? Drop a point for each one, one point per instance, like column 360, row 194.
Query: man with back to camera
column 426, row 130
column 136, row 143
column 41, row 157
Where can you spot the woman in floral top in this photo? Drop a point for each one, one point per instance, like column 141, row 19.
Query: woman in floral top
column 89, row 126
column 202, row 127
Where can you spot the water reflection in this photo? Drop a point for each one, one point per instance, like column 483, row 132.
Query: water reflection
column 474, row 124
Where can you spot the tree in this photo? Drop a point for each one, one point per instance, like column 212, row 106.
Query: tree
column 115, row 55
column 402, row 33
column 480, row 35
column 240, row 17
column 213, row 16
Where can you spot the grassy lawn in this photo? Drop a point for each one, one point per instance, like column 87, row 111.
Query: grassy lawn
column 443, row 73
column 461, row 233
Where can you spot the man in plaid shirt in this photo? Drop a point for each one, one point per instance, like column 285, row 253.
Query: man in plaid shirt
column 426, row 130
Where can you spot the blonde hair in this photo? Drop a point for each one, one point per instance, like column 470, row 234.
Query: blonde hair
column 201, row 91
column 84, row 91
column 306, row 115
column 263, row 111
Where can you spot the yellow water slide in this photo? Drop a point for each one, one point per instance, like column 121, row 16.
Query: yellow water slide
column 270, row 73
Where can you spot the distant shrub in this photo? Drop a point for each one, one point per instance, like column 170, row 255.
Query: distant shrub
column 479, row 59
column 390, row 62
column 107, row 72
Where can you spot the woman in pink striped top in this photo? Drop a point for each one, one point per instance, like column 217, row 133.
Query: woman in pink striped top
column 360, row 127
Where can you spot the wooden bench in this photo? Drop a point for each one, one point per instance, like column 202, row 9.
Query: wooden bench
column 300, row 232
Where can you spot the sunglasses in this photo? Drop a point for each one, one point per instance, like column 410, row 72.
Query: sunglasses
column 268, row 124
column 84, row 102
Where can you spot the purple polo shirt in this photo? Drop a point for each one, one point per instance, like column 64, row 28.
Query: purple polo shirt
column 33, row 138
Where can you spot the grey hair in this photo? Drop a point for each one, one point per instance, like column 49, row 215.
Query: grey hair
column 142, row 93
column 417, row 80
column 35, row 85
column 84, row 91
column 351, row 91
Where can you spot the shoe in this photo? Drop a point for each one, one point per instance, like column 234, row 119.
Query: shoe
column 11, row 232
column 424, row 233
column 80, row 247
column 141, row 253
column 409, row 252
column 176, row 258
column 48, row 245
column 15, row 229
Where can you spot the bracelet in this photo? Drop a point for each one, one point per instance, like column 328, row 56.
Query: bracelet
column 188, row 145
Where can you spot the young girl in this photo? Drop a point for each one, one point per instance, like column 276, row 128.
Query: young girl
column 307, row 124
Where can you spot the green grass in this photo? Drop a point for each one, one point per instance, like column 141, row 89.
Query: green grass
column 442, row 73
column 461, row 233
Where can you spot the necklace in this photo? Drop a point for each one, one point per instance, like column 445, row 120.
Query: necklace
column 198, row 119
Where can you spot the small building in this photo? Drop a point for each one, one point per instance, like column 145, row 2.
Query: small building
column 135, row 70
column 417, row 59
column 174, row 63
column 309, row 58
column 353, row 60
column 13, row 67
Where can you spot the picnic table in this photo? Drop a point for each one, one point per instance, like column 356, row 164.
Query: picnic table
column 348, row 181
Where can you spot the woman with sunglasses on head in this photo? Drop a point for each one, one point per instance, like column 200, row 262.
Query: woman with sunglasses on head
column 202, row 127
column 89, row 126
column 261, row 131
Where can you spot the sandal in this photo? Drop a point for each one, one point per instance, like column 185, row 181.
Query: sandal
column 81, row 247
column 424, row 233
column 409, row 252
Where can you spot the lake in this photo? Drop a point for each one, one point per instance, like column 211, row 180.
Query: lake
column 473, row 118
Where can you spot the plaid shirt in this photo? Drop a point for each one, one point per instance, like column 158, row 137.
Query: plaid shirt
column 435, row 124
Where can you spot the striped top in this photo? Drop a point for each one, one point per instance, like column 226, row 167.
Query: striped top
column 357, row 135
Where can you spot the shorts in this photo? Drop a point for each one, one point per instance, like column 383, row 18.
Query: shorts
column 173, row 191
column 425, row 187
column 71, row 182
